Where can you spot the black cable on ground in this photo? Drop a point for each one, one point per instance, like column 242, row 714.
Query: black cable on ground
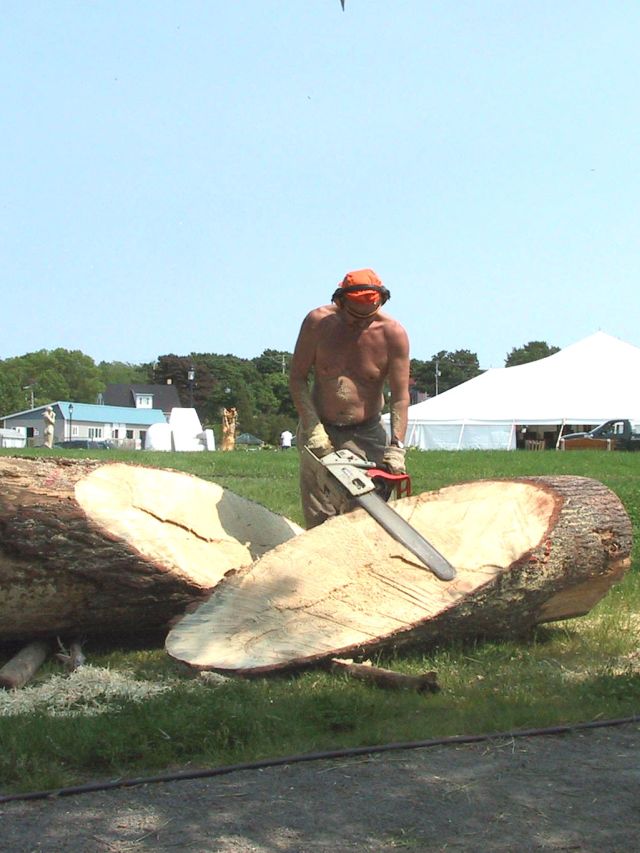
column 312, row 756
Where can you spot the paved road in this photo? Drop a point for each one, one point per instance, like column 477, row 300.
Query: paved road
column 577, row 792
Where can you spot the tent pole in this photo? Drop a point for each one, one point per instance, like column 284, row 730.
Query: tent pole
column 409, row 443
column 560, row 433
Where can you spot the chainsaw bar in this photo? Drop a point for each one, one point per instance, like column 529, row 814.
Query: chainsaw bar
column 345, row 471
column 403, row 532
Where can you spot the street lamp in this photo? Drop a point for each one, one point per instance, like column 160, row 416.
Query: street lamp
column 70, row 420
column 191, row 375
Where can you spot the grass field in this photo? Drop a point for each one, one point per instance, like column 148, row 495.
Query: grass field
column 133, row 711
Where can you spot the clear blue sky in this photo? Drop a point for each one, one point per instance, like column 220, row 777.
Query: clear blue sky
column 183, row 176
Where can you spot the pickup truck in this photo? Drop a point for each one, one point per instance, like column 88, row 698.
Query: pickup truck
column 611, row 435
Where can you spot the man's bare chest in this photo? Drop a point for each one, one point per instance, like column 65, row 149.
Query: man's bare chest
column 349, row 353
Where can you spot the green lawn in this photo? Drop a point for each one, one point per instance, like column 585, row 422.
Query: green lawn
column 587, row 668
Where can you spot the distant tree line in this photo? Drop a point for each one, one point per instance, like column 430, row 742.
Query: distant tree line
column 445, row 370
column 257, row 387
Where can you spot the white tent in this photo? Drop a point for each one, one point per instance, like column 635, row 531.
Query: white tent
column 591, row 381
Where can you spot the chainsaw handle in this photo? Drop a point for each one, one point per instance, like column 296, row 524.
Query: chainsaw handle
column 400, row 482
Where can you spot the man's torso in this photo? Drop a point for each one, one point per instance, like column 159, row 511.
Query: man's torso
column 350, row 368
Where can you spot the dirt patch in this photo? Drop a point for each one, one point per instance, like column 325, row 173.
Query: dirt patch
column 573, row 792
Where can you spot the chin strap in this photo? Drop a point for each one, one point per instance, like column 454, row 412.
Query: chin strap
column 356, row 314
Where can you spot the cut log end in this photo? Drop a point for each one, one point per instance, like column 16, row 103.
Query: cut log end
column 526, row 551
column 115, row 549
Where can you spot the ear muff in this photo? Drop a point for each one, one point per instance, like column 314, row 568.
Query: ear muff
column 340, row 292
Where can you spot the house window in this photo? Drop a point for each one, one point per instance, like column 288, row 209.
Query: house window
column 95, row 432
column 129, row 433
column 144, row 401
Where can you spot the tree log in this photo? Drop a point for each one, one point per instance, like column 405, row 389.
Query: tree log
column 114, row 549
column 526, row 551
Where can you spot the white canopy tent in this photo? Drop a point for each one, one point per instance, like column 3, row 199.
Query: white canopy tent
column 591, row 381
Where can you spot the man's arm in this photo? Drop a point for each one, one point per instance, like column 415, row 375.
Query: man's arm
column 300, row 372
column 398, row 377
column 302, row 364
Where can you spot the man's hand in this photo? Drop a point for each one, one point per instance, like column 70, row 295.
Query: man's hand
column 319, row 442
column 393, row 460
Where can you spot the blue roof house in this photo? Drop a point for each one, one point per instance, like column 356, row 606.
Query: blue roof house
column 124, row 426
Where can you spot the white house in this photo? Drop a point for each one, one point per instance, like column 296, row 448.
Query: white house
column 123, row 425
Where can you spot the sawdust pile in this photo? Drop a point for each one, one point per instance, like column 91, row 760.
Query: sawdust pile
column 87, row 691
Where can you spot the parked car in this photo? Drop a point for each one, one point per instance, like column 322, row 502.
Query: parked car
column 84, row 444
column 618, row 435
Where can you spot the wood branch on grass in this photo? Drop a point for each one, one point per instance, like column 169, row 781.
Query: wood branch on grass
column 23, row 666
column 388, row 679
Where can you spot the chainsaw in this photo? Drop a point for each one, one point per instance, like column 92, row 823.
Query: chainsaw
column 344, row 475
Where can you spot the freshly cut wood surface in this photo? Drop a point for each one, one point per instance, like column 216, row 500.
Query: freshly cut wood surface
column 526, row 551
column 113, row 548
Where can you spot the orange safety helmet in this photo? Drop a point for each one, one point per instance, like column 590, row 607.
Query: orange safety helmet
column 361, row 286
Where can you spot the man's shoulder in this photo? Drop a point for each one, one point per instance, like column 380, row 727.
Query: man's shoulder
column 317, row 315
column 322, row 310
column 391, row 322
column 394, row 331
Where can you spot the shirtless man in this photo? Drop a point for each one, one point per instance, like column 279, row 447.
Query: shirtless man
column 351, row 347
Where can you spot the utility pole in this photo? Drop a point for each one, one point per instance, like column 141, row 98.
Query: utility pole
column 281, row 359
column 29, row 388
column 191, row 375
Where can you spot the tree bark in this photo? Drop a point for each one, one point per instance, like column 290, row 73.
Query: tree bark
column 526, row 551
column 116, row 549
